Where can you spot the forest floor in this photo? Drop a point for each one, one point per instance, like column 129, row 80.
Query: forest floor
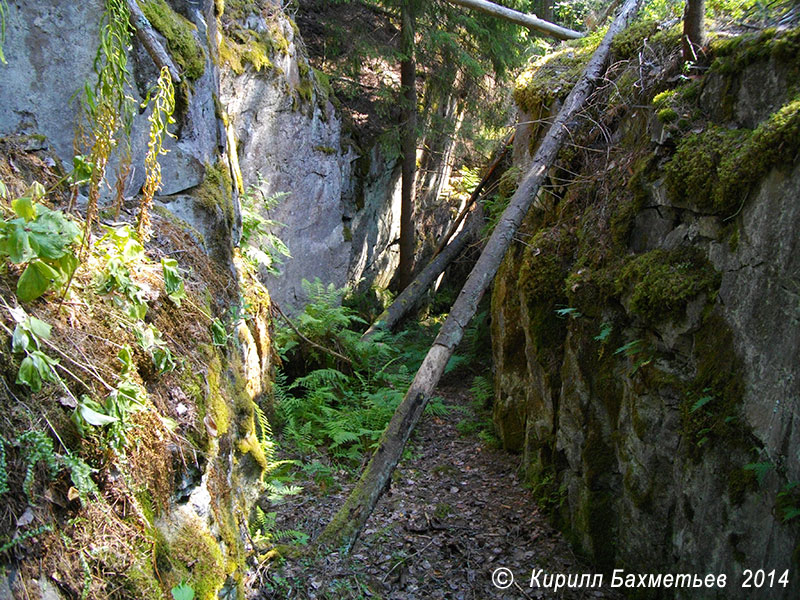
column 455, row 513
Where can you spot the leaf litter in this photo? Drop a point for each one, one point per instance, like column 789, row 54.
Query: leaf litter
column 455, row 512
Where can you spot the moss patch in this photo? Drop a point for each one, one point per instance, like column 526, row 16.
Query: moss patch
column 553, row 76
column 714, row 170
column 215, row 193
column 662, row 282
column 245, row 48
column 200, row 553
column 179, row 33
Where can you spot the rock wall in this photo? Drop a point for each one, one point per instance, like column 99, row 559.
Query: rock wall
column 645, row 333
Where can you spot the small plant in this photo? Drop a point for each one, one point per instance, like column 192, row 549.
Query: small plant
column 264, row 530
column 182, row 591
column 114, row 412
column 37, row 367
column 37, row 447
column 173, row 282
column 122, row 253
column 788, row 501
column 638, row 352
column 605, row 332
column 160, row 119
column 150, row 340
column 259, row 244
column 41, row 239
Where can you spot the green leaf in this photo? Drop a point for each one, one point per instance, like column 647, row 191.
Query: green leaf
column 81, row 169
column 18, row 246
column 182, row 591
column 23, row 207
column 173, row 282
column 760, row 469
column 126, row 358
column 39, row 328
column 20, row 339
column 35, row 280
column 29, row 375
column 66, row 266
column 701, row 403
column 94, row 417
column 219, row 334
column 35, row 369
column 3, row 188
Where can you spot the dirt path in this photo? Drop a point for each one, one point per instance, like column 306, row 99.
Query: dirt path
column 456, row 512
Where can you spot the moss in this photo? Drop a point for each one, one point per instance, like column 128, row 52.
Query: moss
column 215, row 193
column 249, row 49
column 305, row 89
column 715, row 170
column 720, row 380
column 662, row 282
column 597, row 508
column 217, row 406
column 667, row 115
column 202, row 558
column 740, row 483
column 323, row 85
column 554, row 75
column 732, row 55
column 329, row 150
column 179, row 33
column 626, row 44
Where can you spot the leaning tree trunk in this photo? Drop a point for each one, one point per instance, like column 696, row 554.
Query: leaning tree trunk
column 346, row 525
column 693, row 29
column 408, row 82
column 411, row 294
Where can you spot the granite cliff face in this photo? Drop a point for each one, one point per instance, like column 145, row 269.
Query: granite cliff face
column 645, row 333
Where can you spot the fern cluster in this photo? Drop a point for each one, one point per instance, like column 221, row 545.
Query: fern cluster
column 338, row 405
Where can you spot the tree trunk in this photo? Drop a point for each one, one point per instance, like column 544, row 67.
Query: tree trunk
column 346, row 525
column 544, row 9
column 475, row 195
column 409, row 297
column 408, row 148
column 529, row 21
column 694, row 33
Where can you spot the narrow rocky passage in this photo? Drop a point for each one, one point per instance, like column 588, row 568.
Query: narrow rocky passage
column 455, row 514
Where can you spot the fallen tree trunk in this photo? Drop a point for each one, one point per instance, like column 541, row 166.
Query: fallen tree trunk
column 530, row 21
column 445, row 254
column 411, row 294
column 474, row 196
column 346, row 525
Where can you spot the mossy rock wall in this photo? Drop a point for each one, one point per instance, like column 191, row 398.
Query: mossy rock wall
column 647, row 369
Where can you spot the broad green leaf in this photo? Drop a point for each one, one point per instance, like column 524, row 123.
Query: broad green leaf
column 29, row 375
column 19, row 248
column 24, row 208
column 20, row 339
column 182, row 591
column 126, row 358
column 93, row 417
column 81, row 169
column 35, row 280
column 66, row 266
column 39, row 328
column 173, row 282
column 36, row 368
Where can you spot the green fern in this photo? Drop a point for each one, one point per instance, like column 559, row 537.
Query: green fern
column 37, row 447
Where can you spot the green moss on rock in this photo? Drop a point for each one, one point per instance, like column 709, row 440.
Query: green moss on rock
column 715, row 169
column 662, row 282
column 179, row 33
column 215, row 193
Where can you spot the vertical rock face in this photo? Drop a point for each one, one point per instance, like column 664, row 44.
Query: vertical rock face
column 645, row 335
